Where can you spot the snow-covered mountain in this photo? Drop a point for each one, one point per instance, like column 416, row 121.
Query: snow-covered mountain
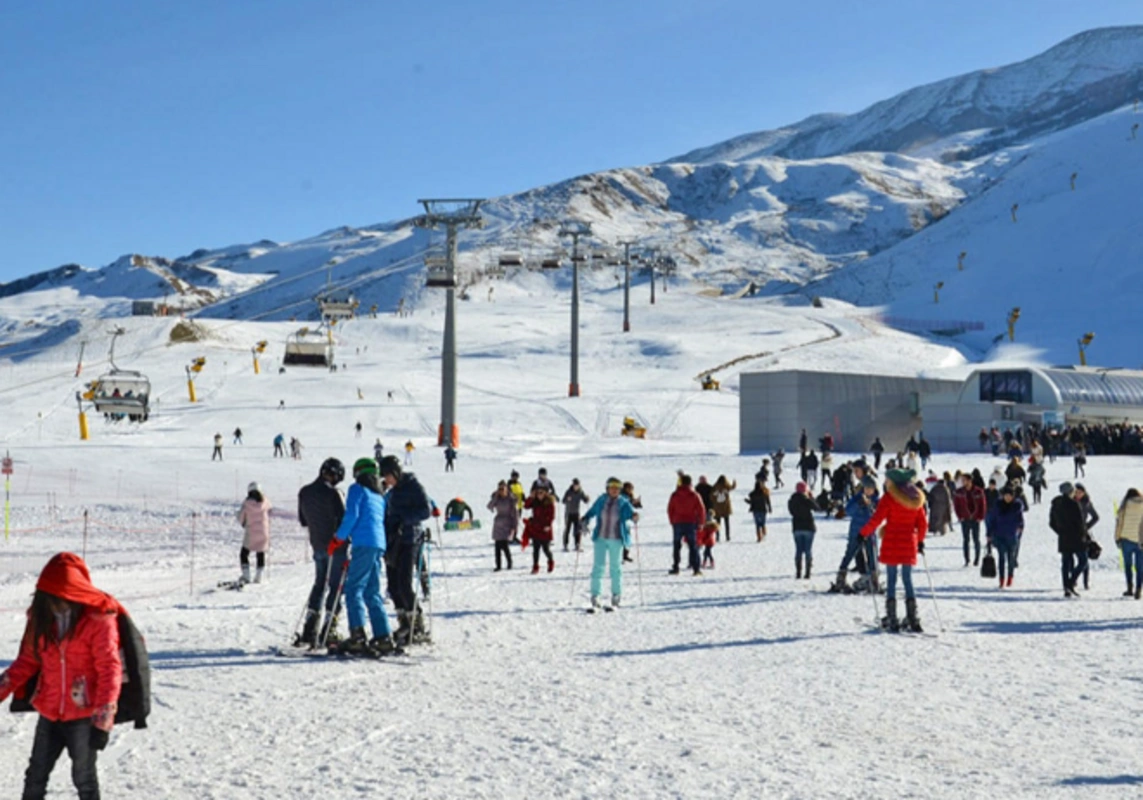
column 843, row 206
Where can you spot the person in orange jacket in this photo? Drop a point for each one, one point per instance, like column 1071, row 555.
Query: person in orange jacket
column 902, row 511
column 707, row 536
column 71, row 642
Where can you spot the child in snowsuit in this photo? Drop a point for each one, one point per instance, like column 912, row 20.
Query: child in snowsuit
column 71, row 642
column 254, row 517
column 707, row 536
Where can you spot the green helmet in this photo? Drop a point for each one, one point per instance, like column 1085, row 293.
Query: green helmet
column 364, row 466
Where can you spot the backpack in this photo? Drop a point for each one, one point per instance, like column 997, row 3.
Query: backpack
column 134, row 694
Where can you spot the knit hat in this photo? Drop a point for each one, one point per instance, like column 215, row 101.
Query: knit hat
column 67, row 577
column 253, row 487
column 801, row 487
column 901, row 476
column 1008, row 489
column 1066, row 489
column 868, row 482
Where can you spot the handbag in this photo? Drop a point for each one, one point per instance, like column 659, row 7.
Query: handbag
column 988, row 565
column 1094, row 551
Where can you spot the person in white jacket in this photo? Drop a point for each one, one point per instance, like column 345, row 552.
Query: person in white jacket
column 1129, row 537
column 254, row 517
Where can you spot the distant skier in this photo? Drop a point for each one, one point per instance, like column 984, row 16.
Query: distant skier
column 450, row 458
column 279, row 446
column 613, row 514
column 320, row 510
column 573, row 497
column 357, row 430
column 409, row 448
column 378, row 451
column 237, row 436
column 254, row 517
column 217, row 447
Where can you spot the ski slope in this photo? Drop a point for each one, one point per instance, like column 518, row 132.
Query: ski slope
column 739, row 683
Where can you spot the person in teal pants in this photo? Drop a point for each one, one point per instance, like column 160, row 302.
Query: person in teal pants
column 613, row 515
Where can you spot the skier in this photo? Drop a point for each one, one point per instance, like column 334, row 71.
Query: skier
column 279, row 449
column 237, row 436
column 1090, row 518
column 254, row 517
column 801, row 506
column 720, row 502
column 378, row 451
column 217, row 447
column 1129, row 537
column 538, row 527
column 859, row 508
column 613, row 514
column 902, row 511
column 407, row 507
column 455, row 510
column 320, row 510
column 364, row 526
column 357, row 430
column 505, row 521
column 409, row 448
column 572, row 499
column 1007, row 526
column 686, row 512
column 450, row 458
column 971, row 506
column 878, row 450
column 759, row 500
column 777, row 459
column 71, row 643
column 628, row 491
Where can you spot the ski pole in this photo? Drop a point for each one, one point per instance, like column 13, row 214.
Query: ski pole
column 871, row 570
column 575, row 571
column 639, row 566
column 336, row 600
column 932, row 591
column 427, row 582
column 443, row 582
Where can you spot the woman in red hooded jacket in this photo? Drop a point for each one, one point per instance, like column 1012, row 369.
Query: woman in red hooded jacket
column 902, row 512
column 72, row 642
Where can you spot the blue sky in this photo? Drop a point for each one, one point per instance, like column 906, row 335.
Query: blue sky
column 160, row 127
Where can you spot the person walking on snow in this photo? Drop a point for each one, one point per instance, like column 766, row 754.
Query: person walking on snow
column 450, row 458
column 686, row 513
column 720, row 502
column 279, row 446
column 1006, row 526
column 378, row 451
column 357, row 430
column 707, row 538
column 859, row 508
column 364, row 526
column 572, row 499
column 237, row 436
column 704, row 489
column 878, row 450
column 71, row 645
column 538, row 527
column 254, row 517
column 628, row 491
column 801, row 506
column 760, row 506
column 902, row 511
column 217, row 447
column 1065, row 517
column 777, row 458
column 613, row 514
column 971, row 506
column 407, row 507
column 808, row 464
column 505, row 522
column 1090, row 518
column 1129, row 537
column 320, row 511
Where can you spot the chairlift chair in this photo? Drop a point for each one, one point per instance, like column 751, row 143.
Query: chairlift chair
column 308, row 348
column 511, row 258
column 550, row 261
column 121, row 393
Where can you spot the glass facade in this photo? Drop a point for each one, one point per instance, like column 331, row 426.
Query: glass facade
column 1103, row 388
column 1010, row 387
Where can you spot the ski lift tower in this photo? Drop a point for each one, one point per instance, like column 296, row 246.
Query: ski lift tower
column 452, row 215
column 575, row 230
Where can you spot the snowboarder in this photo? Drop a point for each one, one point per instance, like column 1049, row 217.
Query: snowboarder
column 450, row 458
column 407, row 508
column 613, row 514
column 237, row 436
column 364, row 526
column 801, row 506
column 759, row 500
column 538, row 527
column 686, row 512
column 572, row 499
column 859, row 509
column 254, row 517
column 217, row 447
column 902, row 511
column 279, row 446
column 73, row 625
column 1129, row 537
column 456, row 509
column 1007, row 526
column 504, row 523
column 320, row 510
column 409, row 448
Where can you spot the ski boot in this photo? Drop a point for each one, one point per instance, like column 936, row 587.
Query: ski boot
column 329, row 631
column 839, row 586
column 911, row 620
column 421, row 634
column 355, row 645
column 889, row 621
column 382, row 646
column 308, row 636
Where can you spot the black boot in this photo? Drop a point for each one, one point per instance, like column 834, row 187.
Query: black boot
column 404, row 631
column 798, row 565
column 356, row 644
column 911, row 619
column 839, row 586
column 308, row 636
column 809, row 566
column 889, row 621
column 329, row 630
column 381, row 646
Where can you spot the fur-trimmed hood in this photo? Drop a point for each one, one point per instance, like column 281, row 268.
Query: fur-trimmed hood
column 906, row 494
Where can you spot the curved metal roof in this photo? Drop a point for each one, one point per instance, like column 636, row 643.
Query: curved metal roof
column 1104, row 388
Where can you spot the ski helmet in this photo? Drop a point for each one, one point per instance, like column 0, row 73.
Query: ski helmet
column 333, row 468
column 390, row 466
column 364, row 466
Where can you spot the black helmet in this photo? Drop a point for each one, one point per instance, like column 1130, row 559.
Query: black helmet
column 334, row 469
column 390, row 466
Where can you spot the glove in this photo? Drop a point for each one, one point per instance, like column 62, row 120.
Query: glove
column 99, row 738
column 436, row 511
column 334, row 543
column 921, row 547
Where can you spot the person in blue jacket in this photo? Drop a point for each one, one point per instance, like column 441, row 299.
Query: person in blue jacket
column 408, row 507
column 1005, row 528
column 859, row 508
column 613, row 515
column 364, row 526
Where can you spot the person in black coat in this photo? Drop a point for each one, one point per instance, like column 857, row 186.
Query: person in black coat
column 1066, row 519
column 704, row 489
column 801, row 506
column 808, row 464
column 320, row 510
column 407, row 506
column 1090, row 517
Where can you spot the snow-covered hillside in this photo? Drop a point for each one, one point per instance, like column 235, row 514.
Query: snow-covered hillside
column 741, row 683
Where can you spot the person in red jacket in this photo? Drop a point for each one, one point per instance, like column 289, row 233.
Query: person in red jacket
column 902, row 512
column 970, row 505
column 707, row 536
column 538, row 528
column 72, row 643
column 686, row 513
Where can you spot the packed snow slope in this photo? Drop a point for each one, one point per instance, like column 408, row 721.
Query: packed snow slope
column 741, row 683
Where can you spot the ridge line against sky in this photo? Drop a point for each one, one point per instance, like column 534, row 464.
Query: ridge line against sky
column 159, row 128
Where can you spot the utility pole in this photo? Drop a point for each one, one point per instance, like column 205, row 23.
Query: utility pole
column 652, row 259
column 627, row 285
column 575, row 230
column 451, row 215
